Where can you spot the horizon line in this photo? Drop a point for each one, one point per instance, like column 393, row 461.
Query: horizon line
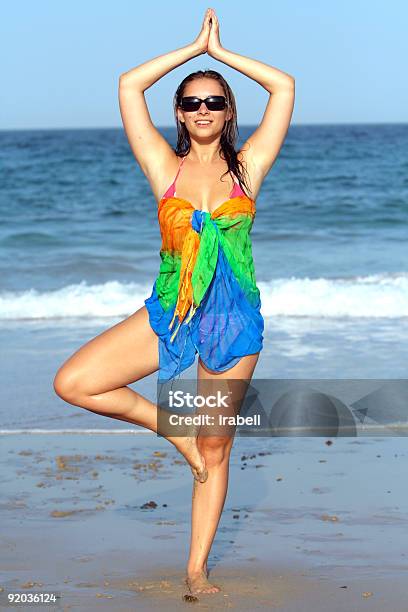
column 243, row 125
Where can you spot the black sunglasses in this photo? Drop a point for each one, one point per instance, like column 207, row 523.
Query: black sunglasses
column 213, row 103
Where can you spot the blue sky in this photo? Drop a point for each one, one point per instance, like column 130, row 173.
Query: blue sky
column 61, row 61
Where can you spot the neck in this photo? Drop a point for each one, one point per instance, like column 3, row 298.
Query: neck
column 205, row 153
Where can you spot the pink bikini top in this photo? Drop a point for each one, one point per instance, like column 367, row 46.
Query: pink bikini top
column 170, row 193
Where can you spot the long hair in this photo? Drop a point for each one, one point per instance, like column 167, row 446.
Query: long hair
column 229, row 133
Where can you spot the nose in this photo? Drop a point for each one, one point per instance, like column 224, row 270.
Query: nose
column 202, row 108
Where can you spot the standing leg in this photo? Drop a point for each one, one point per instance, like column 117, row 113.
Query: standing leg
column 209, row 497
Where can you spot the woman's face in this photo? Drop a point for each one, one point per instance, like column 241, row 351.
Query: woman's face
column 203, row 122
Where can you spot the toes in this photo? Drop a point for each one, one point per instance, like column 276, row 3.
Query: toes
column 200, row 475
column 210, row 590
column 206, row 589
column 204, row 475
column 198, row 586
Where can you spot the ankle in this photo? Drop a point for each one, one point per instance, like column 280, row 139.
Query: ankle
column 196, row 570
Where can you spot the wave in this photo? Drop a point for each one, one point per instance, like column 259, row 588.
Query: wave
column 379, row 295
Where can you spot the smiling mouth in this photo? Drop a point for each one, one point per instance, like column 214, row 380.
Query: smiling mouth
column 203, row 122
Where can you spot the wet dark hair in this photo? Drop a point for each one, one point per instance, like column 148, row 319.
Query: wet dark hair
column 229, row 133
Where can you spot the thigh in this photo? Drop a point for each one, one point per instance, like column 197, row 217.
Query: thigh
column 242, row 370
column 232, row 386
column 122, row 354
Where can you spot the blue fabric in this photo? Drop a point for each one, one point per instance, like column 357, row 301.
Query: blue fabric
column 224, row 328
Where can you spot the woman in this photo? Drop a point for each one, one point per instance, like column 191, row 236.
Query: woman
column 97, row 375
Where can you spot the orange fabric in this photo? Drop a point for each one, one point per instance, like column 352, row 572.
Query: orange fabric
column 178, row 236
column 188, row 259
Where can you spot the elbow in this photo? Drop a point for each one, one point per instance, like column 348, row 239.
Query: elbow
column 129, row 83
column 285, row 85
column 122, row 79
column 124, row 87
column 125, row 80
column 289, row 85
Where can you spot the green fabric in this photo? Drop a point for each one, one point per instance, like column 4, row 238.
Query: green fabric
column 168, row 279
column 232, row 234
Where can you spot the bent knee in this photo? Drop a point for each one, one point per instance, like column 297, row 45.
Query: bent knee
column 67, row 385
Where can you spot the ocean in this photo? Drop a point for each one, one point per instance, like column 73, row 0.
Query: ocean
column 80, row 242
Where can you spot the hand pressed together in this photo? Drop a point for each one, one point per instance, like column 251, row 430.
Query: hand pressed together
column 208, row 40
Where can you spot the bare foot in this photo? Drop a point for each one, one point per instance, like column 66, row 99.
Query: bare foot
column 197, row 582
column 187, row 446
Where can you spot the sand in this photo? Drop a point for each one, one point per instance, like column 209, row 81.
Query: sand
column 103, row 522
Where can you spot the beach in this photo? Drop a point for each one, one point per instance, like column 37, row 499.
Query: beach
column 103, row 520
column 97, row 510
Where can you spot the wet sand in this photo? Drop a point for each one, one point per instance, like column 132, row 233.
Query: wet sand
column 104, row 522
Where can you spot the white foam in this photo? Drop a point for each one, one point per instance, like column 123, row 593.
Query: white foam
column 380, row 295
column 109, row 299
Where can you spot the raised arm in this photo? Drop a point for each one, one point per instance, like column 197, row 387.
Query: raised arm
column 150, row 148
column 263, row 146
